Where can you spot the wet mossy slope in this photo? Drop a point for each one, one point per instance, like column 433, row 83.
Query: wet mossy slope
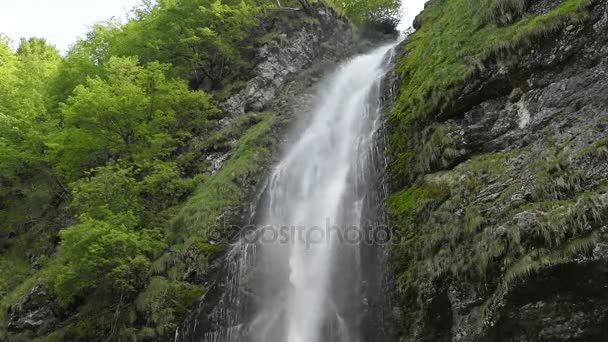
column 498, row 172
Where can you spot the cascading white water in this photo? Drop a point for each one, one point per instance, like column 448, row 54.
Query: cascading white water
column 304, row 281
column 313, row 199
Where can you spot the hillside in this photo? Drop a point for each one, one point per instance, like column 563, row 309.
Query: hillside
column 498, row 172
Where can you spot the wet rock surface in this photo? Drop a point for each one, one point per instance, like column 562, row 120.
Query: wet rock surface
column 38, row 313
column 326, row 37
column 545, row 111
column 285, row 66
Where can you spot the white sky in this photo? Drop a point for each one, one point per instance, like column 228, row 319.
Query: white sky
column 61, row 22
column 410, row 8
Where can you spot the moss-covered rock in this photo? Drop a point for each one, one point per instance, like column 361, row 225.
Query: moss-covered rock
column 498, row 172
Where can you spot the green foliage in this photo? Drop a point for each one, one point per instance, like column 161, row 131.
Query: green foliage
column 24, row 90
column 164, row 186
column 225, row 189
column 163, row 302
column 111, row 191
column 131, row 112
column 84, row 59
column 451, row 44
column 28, row 185
column 104, row 258
column 116, row 128
column 204, row 40
column 39, row 63
column 374, row 13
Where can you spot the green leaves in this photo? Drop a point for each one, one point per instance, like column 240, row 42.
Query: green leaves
column 28, row 186
column 102, row 256
column 111, row 191
column 374, row 13
column 202, row 39
column 132, row 112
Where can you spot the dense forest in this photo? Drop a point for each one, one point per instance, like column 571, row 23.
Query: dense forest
column 101, row 161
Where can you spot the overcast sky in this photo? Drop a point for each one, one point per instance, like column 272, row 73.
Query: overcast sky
column 61, row 22
column 410, row 8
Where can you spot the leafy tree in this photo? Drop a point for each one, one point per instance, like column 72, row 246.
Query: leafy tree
column 38, row 64
column 108, row 252
column 131, row 112
column 109, row 192
column 105, row 258
column 28, row 183
column 203, row 39
column 164, row 186
column 379, row 14
column 8, row 75
column 84, row 60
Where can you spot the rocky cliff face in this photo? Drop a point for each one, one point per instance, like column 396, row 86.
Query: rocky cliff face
column 501, row 229
column 303, row 44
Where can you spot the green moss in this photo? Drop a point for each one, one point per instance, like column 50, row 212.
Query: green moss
column 407, row 209
column 13, row 271
column 410, row 203
column 504, row 12
column 446, row 227
column 452, row 43
column 598, row 149
column 200, row 216
column 436, row 151
column 555, row 177
column 467, row 232
column 572, row 219
column 450, row 48
column 538, row 259
column 200, row 229
column 221, row 139
column 438, row 228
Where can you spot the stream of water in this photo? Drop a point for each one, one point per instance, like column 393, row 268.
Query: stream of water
column 309, row 290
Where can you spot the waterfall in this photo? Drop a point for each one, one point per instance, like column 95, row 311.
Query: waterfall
column 313, row 268
column 297, row 276
column 309, row 288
